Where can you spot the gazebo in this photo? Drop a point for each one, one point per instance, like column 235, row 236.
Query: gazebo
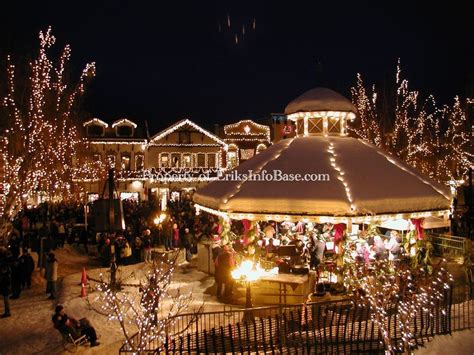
column 323, row 175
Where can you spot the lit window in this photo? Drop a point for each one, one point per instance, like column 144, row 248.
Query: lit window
column 201, row 160
column 164, row 161
column 111, row 161
column 125, row 162
column 187, row 161
column 139, row 162
column 175, row 160
column 211, row 160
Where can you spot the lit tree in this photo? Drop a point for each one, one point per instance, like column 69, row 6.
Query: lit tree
column 411, row 128
column 146, row 311
column 384, row 286
column 41, row 137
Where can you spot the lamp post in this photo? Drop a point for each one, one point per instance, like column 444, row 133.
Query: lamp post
column 247, row 272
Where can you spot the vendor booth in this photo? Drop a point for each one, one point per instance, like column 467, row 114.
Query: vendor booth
column 307, row 198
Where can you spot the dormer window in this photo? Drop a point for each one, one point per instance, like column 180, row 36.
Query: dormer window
column 124, row 128
column 95, row 127
column 124, row 131
column 95, row 130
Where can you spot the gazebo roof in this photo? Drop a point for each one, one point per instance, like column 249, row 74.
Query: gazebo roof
column 320, row 99
column 356, row 180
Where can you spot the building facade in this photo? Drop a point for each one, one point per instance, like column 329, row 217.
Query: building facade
column 171, row 163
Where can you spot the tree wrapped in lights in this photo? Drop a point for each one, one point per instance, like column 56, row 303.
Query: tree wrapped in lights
column 389, row 288
column 41, row 138
column 431, row 139
column 146, row 311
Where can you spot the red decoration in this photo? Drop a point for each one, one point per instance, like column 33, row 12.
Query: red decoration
column 420, row 232
column 338, row 232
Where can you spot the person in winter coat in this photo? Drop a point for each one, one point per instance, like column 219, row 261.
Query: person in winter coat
column 224, row 263
column 147, row 245
column 77, row 328
column 175, row 236
column 51, row 275
column 16, row 277
column 188, row 243
column 28, row 266
column 5, row 280
column 168, row 235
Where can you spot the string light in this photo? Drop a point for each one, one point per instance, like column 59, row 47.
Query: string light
column 124, row 121
column 185, row 122
column 415, row 135
column 42, row 144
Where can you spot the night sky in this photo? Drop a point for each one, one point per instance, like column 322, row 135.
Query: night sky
column 166, row 60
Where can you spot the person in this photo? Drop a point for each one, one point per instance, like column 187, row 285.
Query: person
column 393, row 246
column 61, row 235
column 188, row 243
column 77, row 328
column 51, row 275
column 16, row 277
column 147, row 245
column 168, row 236
column 5, row 280
column 27, row 265
column 224, row 263
column 175, row 236
column 84, row 236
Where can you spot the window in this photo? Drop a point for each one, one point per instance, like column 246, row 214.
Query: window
column 97, row 157
column 125, row 162
column 111, row 161
column 175, row 160
column 139, row 162
column 94, row 130
column 184, row 137
column 232, row 159
column 164, row 161
column 211, row 160
column 201, row 160
column 187, row 161
column 124, row 131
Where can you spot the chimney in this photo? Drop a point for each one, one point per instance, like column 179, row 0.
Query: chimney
column 217, row 130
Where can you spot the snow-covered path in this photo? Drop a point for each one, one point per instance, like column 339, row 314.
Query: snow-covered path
column 30, row 331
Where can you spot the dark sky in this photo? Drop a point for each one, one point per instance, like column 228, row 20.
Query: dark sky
column 165, row 60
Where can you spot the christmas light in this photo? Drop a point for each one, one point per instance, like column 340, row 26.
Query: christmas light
column 124, row 121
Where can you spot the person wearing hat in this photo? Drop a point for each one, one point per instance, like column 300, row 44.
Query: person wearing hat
column 77, row 328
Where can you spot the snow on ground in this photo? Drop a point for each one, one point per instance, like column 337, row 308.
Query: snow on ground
column 30, row 330
column 458, row 343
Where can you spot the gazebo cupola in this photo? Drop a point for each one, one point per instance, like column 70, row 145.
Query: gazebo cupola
column 320, row 112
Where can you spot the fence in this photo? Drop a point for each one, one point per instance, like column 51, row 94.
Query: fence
column 444, row 245
column 317, row 328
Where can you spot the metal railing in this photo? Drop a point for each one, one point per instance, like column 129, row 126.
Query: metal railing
column 325, row 327
column 444, row 245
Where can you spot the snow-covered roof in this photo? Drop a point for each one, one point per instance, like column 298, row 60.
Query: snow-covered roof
column 320, row 99
column 362, row 181
column 186, row 122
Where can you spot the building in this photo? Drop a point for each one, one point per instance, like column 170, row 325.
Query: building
column 122, row 146
column 245, row 139
column 181, row 158
column 167, row 165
